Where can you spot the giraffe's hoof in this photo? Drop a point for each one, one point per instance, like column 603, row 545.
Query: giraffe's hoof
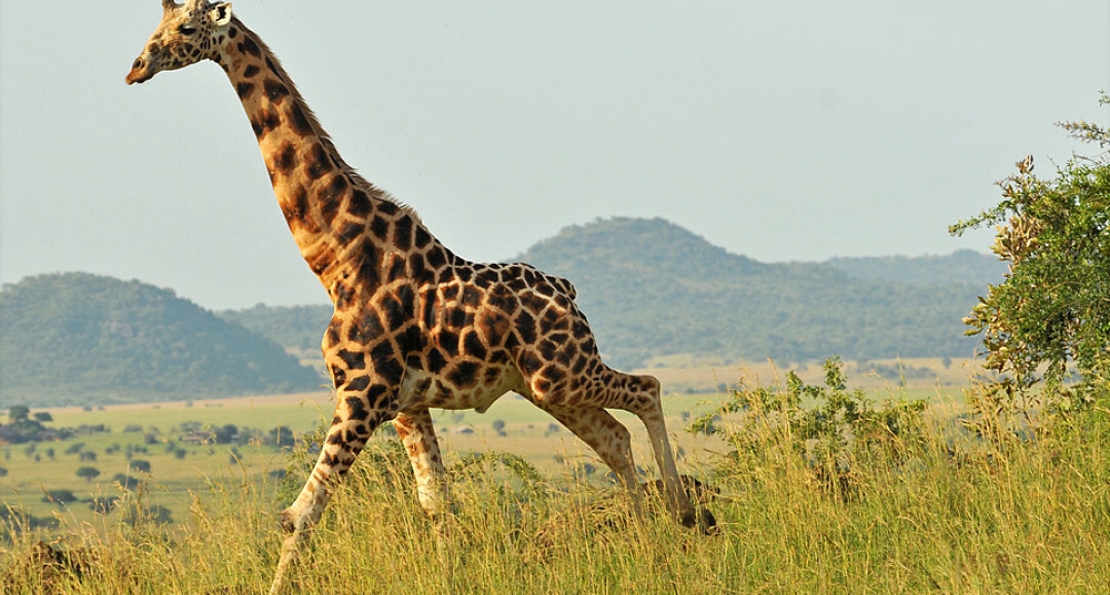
column 706, row 522
column 700, row 519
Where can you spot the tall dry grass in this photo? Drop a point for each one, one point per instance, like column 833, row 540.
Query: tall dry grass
column 932, row 510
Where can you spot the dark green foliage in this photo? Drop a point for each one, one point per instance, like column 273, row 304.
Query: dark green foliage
column 832, row 428
column 281, row 437
column 139, row 465
column 1052, row 311
column 126, row 482
column 60, row 497
column 88, row 473
column 24, row 427
column 225, row 434
column 68, row 338
column 652, row 288
column 136, row 514
column 103, row 505
column 18, row 414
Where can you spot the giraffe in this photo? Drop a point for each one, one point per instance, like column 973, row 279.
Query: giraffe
column 414, row 326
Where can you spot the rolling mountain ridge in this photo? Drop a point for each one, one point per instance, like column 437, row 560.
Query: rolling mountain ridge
column 650, row 288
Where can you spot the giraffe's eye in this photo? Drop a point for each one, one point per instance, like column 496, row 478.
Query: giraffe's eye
column 186, row 29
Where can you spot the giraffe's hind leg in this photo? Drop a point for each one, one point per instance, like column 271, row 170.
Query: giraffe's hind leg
column 645, row 402
column 639, row 395
column 606, row 436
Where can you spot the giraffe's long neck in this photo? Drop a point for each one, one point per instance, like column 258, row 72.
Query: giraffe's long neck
column 337, row 218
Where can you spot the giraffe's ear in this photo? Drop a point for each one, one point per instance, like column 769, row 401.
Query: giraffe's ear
column 220, row 13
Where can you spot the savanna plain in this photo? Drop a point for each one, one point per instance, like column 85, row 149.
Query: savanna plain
column 895, row 480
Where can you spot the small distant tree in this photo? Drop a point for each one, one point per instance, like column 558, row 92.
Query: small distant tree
column 59, row 497
column 43, row 416
column 103, row 505
column 140, row 465
column 499, row 427
column 126, row 481
column 88, row 473
column 159, row 515
column 280, row 436
column 18, row 414
column 1052, row 310
column 225, row 434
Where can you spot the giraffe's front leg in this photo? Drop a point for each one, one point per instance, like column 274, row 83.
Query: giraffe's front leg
column 419, row 437
column 352, row 424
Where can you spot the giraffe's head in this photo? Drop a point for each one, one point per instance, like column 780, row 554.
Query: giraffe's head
column 188, row 33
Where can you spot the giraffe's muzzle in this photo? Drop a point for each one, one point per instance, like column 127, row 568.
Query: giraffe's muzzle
column 141, row 71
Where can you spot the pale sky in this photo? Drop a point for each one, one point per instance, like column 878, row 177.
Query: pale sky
column 778, row 130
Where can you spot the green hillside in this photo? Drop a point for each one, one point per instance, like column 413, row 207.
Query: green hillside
column 652, row 288
column 77, row 338
column 296, row 328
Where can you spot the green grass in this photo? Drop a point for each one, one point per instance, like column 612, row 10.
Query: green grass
column 33, row 474
column 173, row 481
column 1003, row 516
column 1011, row 518
column 528, row 431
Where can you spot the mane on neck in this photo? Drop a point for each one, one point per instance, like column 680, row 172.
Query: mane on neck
column 356, row 179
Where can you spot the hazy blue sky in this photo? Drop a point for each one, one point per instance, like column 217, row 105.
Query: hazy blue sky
column 779, row 130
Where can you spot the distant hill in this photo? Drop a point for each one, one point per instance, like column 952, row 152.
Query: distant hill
column 962, row 266
column 77, row 338
column 652, row 288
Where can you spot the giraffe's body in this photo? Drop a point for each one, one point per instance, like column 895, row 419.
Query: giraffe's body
column 415, row 326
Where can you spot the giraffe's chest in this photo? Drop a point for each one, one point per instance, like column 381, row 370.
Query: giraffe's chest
column 459, row 387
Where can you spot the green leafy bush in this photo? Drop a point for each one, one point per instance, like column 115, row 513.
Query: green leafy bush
column 1051, row 315
column 832, row 429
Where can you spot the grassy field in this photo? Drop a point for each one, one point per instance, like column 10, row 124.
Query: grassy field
column 1004, row 516
column 153, row 433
